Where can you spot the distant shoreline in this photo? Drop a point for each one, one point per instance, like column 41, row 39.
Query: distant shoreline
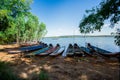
column 67, row 36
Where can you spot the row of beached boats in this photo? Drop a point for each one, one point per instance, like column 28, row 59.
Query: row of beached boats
column 49, row 50
column 40, row 50
column 90, row 50
column 72, row 50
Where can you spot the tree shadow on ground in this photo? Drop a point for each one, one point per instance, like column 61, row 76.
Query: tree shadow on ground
column 59, row 68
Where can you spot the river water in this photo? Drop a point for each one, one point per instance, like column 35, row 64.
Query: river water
column 106, row 43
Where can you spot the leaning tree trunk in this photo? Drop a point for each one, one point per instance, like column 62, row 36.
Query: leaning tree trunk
column 18, row 36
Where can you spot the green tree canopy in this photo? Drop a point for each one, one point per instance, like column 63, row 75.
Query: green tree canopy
column 96, row 17
column 17, row 23
column 11, row 9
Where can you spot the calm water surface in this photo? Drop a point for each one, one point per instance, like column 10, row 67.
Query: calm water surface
column 106, row 43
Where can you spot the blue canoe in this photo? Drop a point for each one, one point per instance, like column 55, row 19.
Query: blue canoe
column 38, row 51
column 32, row 48
column 105, row 52
column 100, row 50
column 86, row 50
column 43, row 50
column 27, row 49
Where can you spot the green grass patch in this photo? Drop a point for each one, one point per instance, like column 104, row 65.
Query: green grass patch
column 6, row 72
column 43, row 75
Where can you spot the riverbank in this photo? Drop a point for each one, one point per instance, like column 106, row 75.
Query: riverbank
column 61, row 68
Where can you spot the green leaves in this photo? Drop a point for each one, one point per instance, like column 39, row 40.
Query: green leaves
column 91, row 23
column 3, row 13
column 17, row 22
column 108, row 9
column 117, row 37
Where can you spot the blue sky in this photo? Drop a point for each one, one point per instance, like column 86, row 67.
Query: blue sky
column 62, row 17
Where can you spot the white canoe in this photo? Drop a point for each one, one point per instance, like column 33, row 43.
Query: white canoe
column 60, row 51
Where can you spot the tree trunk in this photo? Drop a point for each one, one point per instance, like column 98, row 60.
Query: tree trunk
column 18, row 36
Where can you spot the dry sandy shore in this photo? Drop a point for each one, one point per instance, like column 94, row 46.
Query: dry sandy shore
column 62, row 68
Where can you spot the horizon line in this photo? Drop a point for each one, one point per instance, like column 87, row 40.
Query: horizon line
column 80, row 35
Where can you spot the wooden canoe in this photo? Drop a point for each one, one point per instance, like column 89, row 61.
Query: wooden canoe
column 27, row 49
column 58, row 52
column 32, row 48
column 49, row 51
column 86, row 51
column 105, row 52
column 77, row 50
column 37, row 52
column 42, row 50
column 70, row 50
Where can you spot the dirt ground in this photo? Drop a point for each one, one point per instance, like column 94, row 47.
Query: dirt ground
column 62, row 68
